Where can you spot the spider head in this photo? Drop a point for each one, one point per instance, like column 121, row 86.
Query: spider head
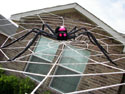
column 61, row 33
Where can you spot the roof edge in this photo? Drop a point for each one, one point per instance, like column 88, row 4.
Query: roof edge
column 44, row 10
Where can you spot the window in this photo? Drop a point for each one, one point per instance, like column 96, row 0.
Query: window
column 70, row 55
column 44, row 47
column 38, row 68
column 74, row 55
column 65, row 84
column 45, row 52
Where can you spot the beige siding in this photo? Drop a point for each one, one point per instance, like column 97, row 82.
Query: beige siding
column 75, row 19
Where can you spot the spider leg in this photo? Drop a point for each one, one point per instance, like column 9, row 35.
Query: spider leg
column 72, row 37
column 27, row 47
column 77, row 31
column 48, row 28
column 48, row 35
column 91, row 36
column 91, row 39
column 73, row 32
column 43, row 26
column 100, row 47
column 35, row 30
column 20, row 38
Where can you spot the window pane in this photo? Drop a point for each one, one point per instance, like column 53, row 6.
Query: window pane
column 38, row 68
column 65, row 84
column 70, row 55
column 46, row 48
column 75, row 55
column 44, row 52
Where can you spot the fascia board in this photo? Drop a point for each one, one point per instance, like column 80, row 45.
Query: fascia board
column 34, row 12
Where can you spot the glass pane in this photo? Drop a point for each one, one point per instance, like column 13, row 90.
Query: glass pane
column 65, row 84
column 75, row 55
column 38, row 68
column 44, row 52
column 46, row 49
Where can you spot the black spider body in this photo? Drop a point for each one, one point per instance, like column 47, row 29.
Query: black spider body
column 60, row 34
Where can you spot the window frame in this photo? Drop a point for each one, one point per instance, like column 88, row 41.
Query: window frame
column 56, row 68
column 26, row 71
column 43, row 57
column 53, row 78
column 30, row 59
column 67, row 69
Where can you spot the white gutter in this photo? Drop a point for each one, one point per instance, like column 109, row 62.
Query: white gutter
column 39, row 11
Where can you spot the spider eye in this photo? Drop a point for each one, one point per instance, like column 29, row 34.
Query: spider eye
column 60, row 35
column 64, row 35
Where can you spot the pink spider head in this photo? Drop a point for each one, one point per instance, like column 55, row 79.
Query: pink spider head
column 62, row 28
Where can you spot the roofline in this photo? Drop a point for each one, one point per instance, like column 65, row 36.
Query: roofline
column 80, row 9
column 44, row 10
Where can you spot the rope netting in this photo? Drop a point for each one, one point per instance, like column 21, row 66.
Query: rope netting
column 81, row 43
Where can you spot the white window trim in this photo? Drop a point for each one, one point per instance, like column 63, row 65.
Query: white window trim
column 70, row 69
column 43, row 58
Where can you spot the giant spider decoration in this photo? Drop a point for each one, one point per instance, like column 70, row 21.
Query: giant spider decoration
column 60, row 34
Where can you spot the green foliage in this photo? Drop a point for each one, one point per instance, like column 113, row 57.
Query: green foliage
column 46, row 92
column 8, row 84
column 1, row 71
column 15, row 85
column 26, row 86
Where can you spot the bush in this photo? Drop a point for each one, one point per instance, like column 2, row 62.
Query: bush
column 46, row 92
column 8, row 85
column 1, row 71
column 15, row 85
column 26, row 86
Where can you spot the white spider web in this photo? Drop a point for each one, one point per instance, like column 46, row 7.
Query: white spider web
column 82, row 44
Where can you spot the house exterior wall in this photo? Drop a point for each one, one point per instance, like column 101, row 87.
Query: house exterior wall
column 85, row 82
column 2, row 39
